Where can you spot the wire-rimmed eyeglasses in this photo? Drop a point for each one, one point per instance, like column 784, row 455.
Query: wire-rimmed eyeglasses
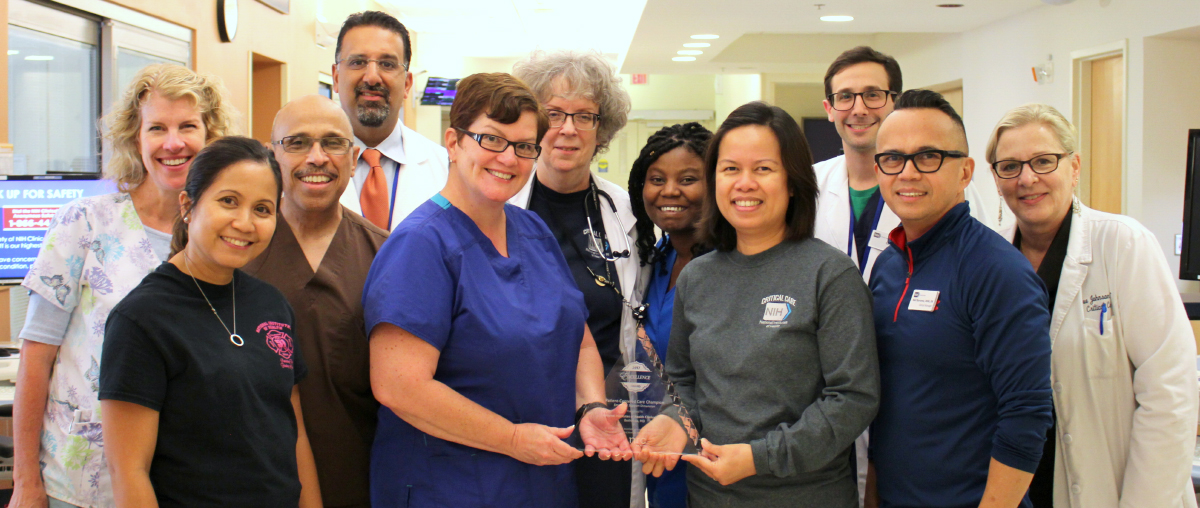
column 872, row 99
column 1042, row 164
column 925, row 161
column 385, row 65
column 302, row 144
column 582, row 121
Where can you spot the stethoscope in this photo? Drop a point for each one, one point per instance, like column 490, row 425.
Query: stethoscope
column 604, row 248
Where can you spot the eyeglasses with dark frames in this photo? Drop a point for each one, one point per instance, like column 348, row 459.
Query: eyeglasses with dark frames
column 1042, row 164
column 386, row 65
column 302, row 144
column 582, row 121
column 872, row 99
column 494, row 143
column 925, row 161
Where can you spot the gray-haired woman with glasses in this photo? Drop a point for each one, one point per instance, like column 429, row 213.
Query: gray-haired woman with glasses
column 1125, row 395
column 592, row 221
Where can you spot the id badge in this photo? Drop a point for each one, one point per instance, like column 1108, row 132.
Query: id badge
column 924, row 300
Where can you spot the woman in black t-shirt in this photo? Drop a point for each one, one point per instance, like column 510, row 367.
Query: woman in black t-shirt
column 201, row 407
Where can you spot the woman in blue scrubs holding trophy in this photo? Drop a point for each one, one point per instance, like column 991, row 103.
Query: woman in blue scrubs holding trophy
column 479, row 350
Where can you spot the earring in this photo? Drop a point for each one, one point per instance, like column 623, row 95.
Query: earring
column 187, row 220
column 1000, row 223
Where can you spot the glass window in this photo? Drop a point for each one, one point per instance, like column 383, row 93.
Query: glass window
column 129, row 62
column 54, row 103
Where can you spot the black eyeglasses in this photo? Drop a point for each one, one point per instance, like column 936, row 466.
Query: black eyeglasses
column 872, row 99
column 1042, row 164
column 926, row 161
column 494, row 143
column 583, row 121
column 302, row 144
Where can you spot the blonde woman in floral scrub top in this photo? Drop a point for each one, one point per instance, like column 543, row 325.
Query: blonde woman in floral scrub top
column 96, row 250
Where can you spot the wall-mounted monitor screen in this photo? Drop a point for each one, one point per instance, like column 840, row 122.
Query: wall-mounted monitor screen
column 1189, row 261
column 439, row 92
column 27, row 204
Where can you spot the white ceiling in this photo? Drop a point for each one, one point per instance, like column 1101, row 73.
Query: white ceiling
column 788, row 35
column 513, row 28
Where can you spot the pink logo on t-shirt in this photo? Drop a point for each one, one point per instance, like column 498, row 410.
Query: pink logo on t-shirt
column 279, row 341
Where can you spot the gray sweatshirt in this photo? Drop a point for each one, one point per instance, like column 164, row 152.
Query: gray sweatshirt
column 777, row 350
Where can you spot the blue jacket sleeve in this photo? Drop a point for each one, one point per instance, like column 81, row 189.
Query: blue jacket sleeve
column 1008, row 306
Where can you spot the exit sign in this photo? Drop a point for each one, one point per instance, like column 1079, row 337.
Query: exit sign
column 638, row 79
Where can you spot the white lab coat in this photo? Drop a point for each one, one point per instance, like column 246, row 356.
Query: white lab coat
column 630, row 274
column 833, row 227
column 1126, row 399
column 423, row 174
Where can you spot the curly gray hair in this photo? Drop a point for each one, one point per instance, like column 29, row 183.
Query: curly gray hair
column 585, row 74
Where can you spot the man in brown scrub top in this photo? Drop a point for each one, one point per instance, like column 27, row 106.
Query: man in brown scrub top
column 319, row 259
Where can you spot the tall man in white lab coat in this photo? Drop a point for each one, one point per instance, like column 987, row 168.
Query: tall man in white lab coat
column 861, row 86
column 397, row 169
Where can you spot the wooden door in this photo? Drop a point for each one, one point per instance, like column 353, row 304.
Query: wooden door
column 1105, row 133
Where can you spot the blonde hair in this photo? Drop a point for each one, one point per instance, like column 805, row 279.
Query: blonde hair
column 173, row 82
column 585, row 74
column 1034, row 113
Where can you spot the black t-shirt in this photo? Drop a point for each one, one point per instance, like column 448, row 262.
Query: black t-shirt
column 1041, row 488
column 564, row 214
column 226, row 426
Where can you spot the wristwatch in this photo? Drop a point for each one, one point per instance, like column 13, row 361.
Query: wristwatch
column 587, row 407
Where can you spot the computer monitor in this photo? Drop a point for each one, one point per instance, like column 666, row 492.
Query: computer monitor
column 439, row 92
column 1189, row 261
column 27, row 204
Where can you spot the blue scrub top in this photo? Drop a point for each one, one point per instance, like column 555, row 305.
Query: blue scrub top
column 508, row 330
column 669, row 490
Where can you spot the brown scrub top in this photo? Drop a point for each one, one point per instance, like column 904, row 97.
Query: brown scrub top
column 339, row 409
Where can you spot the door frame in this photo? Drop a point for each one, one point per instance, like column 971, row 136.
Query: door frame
column 1081, row 112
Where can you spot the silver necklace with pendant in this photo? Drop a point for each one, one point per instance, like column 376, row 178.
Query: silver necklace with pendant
column 233, row 336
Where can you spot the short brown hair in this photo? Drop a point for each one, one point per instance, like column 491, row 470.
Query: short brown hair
column 864, row 54
column 500, row 96
column 172, row 82
column 797, row 163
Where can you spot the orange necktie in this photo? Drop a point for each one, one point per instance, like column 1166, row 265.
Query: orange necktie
column 374, row 195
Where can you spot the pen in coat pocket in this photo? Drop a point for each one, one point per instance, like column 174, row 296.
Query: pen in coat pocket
column 1103, row 309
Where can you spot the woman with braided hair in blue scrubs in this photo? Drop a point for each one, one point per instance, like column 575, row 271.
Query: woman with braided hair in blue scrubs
column 479, row 350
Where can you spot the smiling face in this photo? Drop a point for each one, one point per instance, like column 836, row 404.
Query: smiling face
column 859, row 126
column 313, row 180
column 171, row 134
column 371, row 98
column 233, row 220
column 751, row 184
column 921, row 199
column 484, row 175
column 566, row 148
column 1038, row 201
column 674, row 191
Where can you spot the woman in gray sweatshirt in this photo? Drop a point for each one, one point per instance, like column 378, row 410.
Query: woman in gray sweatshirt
column 772, row 349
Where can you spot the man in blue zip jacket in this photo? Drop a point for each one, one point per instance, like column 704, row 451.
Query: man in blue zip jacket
column 962, row 330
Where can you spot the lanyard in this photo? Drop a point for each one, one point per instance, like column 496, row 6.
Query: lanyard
column 850, row 250
column 392, row 202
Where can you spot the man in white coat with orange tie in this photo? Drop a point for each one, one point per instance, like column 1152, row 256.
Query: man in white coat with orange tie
column 397, row 168
column 861, row 86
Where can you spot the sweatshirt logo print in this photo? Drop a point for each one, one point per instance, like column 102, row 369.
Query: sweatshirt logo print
column 777, row 309
column 279, row 341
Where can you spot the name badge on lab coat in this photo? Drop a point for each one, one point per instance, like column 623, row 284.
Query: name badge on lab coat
column 923, row 300
column 878, row 240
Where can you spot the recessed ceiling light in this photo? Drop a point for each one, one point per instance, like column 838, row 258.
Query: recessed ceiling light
column 39, row 57
column 837, row 19
column 706, row 36
column 950, row 6
column 684, row 59
column 697, row 45
column 13, row 52
column 689, row 52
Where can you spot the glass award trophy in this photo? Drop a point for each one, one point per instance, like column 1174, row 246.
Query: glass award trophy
column 643, row 384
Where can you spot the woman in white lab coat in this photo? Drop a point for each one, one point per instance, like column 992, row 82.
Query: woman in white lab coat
column 1125, row 393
